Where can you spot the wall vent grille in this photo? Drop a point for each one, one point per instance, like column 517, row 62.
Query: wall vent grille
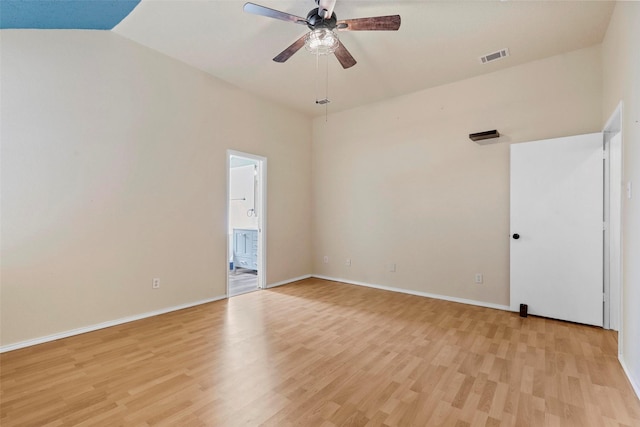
column 494, row 56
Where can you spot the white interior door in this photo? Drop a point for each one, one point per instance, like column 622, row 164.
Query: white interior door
column 557, row 228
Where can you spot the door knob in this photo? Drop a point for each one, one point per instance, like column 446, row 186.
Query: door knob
column 516, row 236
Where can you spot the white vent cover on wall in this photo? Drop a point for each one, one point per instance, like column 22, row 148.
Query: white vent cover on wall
column 494, row 56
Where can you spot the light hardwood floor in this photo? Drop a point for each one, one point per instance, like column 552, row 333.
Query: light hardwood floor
column 318, row 353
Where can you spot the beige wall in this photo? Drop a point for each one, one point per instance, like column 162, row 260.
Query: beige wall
column 621, row 70
column 400, row 181
column 113, row 173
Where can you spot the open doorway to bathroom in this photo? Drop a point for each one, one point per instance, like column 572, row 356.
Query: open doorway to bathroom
column 246, row 178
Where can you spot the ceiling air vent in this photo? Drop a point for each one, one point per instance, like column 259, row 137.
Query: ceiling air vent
column 494, row 56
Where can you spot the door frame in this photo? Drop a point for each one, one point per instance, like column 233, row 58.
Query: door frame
column 613, row 220
column 261, row 207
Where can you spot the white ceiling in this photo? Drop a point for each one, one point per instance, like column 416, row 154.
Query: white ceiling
column 438, row 42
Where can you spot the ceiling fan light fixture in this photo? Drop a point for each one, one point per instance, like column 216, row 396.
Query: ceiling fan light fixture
column 322, row 41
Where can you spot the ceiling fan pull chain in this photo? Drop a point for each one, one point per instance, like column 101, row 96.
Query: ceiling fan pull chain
column 326, row 90
column 324, row 101
column 317, row 74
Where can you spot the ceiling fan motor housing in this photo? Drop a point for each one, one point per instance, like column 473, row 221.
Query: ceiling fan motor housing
column 314, row 20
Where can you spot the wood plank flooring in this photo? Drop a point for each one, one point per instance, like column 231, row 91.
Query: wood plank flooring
column 318, row 353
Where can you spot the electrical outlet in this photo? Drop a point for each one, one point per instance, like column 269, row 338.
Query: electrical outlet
column 479, row 278
column 392, row 267
column 348, row 262
column 155, row 284
column 325, row 259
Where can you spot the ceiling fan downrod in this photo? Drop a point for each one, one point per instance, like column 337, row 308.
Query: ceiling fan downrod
column 325, row 8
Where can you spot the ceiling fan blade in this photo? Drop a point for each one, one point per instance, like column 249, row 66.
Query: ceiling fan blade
column 377, row 23
column 344, row 57
column 256, row 9
column 327, row 6
column 288, row 52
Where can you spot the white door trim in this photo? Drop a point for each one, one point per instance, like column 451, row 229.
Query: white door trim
column 613, row 221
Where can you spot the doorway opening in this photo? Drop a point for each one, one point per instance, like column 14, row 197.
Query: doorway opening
column 246, row 202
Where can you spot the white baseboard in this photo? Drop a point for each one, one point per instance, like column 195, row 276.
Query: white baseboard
column 418, row 293
column 634, row 384
column 286, row 282
column 90, row 328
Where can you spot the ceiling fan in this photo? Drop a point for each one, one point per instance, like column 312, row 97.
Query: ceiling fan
column 322, row 22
